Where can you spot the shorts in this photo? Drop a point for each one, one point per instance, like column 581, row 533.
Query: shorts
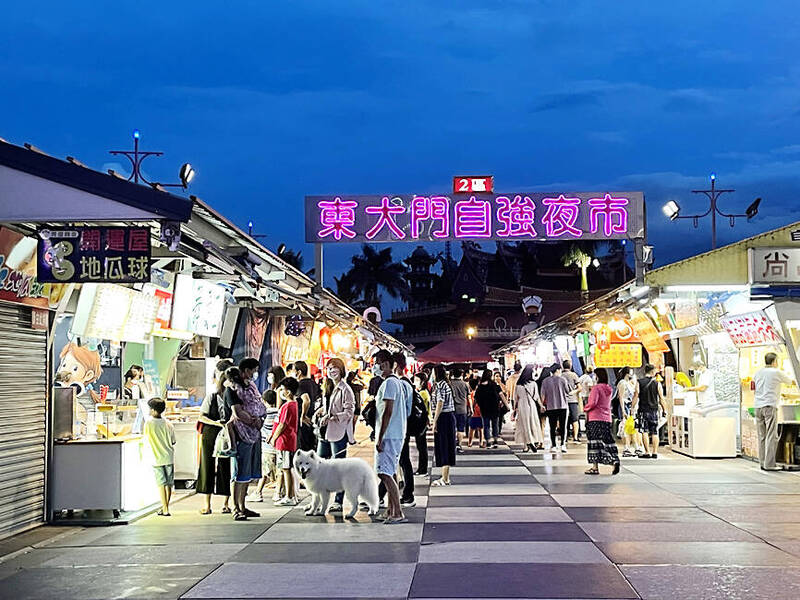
column 386, row 462
column 461, row 423
column 574, row 412
column 269, row 462
column 647, row 422
column 476, row 423
column 284, row 459
column 165, row 475
column 246, row 464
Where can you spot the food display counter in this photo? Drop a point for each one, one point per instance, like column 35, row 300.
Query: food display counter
column 707, row 431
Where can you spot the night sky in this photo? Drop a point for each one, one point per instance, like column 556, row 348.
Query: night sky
column 275, row 100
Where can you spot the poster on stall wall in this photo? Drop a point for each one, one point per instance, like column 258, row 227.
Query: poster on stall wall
column 647, row 332
column 18, row 282
column 621, row 332
column 619, row 355
column 686, row 314
column 751, row 329
column 198, row 306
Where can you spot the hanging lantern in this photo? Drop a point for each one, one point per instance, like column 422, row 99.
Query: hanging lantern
column 326, row 339
column 294, row 326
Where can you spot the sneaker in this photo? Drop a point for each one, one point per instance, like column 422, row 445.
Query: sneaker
column 255, row 498
column 287, row 502
column 382, row 504
column 564, row 448
column 459, row 450
column 251, row 513
column 642, row 455
column 555, row 450
column 335, row 507
column 627, row 453
column 408, row 502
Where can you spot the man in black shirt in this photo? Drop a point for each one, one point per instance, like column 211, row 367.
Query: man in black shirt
column 308, row 393
column 650, row 400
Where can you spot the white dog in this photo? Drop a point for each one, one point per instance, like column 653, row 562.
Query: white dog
column 323, row 477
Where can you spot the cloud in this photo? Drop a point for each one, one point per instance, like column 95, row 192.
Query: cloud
column 567, row 101
column 792, row 149
column 688, row 100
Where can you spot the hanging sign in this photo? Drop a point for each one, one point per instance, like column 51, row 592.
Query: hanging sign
column 94, row 254
column 619, row 355
column 473, row 184
column 647, row 332
column 686, row 313
column 751, row 329
column 774, row 265
column 481, row 216
column 621, row 332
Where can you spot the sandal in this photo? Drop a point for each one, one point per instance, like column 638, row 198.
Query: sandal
column 439, row 483
column 592, row 471
column 161, row 513
column 205, row 511
column 240, row 517
column 226, row 510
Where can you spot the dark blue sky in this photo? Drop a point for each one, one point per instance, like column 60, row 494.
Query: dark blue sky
column 274, row 100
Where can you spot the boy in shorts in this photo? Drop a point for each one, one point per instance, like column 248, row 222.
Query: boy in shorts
column 269, row 457
column 160, row 437
column 284, row 438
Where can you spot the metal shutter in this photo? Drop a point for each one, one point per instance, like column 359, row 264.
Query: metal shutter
column 23, row 419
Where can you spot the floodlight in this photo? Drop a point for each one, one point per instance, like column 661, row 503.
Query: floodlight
column 671, row 210
column 752, row 210
column 186, row 174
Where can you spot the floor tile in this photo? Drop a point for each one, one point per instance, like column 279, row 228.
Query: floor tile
column 497, row 514
column 353, row 580
column 792, row 547
column 743, row 554
column 583, row 479
column 488, row 490
column 684, row 489
column 490, row 470
column 755, row 513
column 537, row 500
column 690, row 477
column 460, row 479
column 174, row 554
column 498, row 532
column 600, row 488
column 342, row 532
column 98, row 583
column 785, row 532
column 666, row 532
column 632, row 514
column 712, row 583
column 633, row 500
column 484, row 457
column 526, row 580
column 512, row 552
column 743, row 500
column 306, row 552
column 229, row 532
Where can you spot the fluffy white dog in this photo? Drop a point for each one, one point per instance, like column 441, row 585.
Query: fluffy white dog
column 323, row 477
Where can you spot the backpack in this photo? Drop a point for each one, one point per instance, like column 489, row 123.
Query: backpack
column 369, row 412
column 417, row 421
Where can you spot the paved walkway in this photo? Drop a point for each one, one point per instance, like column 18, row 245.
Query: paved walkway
column 512, row 525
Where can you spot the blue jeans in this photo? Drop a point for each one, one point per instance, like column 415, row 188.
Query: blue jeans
column 327, row 449
column 492, row 423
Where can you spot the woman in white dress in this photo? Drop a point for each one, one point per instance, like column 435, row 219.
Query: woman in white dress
column 526, row 409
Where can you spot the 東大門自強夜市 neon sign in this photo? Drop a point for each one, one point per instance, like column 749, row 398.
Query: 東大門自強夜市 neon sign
column 533, row 216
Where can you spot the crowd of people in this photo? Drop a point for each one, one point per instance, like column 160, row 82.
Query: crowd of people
column 248, row 439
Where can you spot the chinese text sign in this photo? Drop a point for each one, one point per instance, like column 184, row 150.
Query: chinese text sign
column 774, row 265
column 94, row 254
column 512, row 217
column 751, row 329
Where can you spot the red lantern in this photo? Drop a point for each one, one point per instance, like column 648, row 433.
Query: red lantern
column 325, row 337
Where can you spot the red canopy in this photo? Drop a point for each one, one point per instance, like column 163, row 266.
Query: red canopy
column 457, row 351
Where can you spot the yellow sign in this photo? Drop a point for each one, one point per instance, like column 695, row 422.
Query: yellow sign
column 619, row 355
column 648, row 333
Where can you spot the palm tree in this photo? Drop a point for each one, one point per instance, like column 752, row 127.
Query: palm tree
column 346, row 291
column 373, row 270
column 580, row 254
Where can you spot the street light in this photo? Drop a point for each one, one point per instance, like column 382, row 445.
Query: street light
column 672, row 210
column 471, row 331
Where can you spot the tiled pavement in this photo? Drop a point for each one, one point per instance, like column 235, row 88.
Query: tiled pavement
column 512, row 525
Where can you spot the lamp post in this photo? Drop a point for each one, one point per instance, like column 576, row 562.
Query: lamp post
column 137, row 156
column 672, row 210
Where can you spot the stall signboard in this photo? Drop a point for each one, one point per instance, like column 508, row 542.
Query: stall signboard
column 479, row 217
column 751, row 329
column 198, row 306
column 774, row 266
column 647, row 332
column 619, row 355
column 686, row 313
column 94, row 254
column 18, row 276
column 620, row 331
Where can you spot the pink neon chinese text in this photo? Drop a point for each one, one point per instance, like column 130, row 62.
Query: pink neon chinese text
column 434, row 208
column 337, row 217
column 561, row 215
column 473, row 218
column 614, row 212
column 517, row 216
column 385, row 219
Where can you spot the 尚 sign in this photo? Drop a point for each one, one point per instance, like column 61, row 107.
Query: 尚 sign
column 751, row 329
column 479, row 217
column 94, row 254
column 774, row 265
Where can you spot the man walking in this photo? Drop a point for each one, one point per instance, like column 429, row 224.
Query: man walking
column 393, row 405
column 768, row 382
column 308, row 393
column 555, row 391
column 572, row 398
column 461, row 401
column 511, row 382
column 650, row 399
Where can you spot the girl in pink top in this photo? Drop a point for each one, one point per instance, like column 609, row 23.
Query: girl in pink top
column 601, row 447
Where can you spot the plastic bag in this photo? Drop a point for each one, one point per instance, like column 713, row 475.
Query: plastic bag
column 222, row 445
column 630, row 425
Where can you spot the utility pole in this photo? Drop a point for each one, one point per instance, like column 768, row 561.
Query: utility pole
column 712, row 195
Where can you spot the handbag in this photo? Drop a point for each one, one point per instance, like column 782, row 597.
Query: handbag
column 199, row 427
column 630, row 425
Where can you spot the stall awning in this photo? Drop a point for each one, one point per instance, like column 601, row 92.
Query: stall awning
column 457, row 351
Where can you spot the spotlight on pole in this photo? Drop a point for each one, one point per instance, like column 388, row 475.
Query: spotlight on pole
column 186, row 174
column 752, row 210
column 671, row 210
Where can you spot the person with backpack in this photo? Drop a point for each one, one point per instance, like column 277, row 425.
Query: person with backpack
column 421, row 439
column 444, row 425
column 416, row 426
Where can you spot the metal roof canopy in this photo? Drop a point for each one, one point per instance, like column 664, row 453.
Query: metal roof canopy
column 58, row 190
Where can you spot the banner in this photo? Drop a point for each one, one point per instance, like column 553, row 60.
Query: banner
column 647, row 332
column 619, row 355
column 751, row 329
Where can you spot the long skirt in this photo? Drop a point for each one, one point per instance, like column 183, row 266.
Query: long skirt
column 601, row 448
column 444, row 440
column 214, row 474
column 529, row 428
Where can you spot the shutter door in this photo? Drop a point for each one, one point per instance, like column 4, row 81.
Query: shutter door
column 23, row 419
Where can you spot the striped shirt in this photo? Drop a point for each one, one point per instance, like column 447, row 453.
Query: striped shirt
column 444, row 393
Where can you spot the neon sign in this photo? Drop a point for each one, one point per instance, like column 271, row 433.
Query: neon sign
column 533, row 216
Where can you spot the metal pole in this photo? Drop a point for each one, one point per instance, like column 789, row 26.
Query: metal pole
column 136, row 159
column 318, row 266
column 713, row 215
column 638, row 257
